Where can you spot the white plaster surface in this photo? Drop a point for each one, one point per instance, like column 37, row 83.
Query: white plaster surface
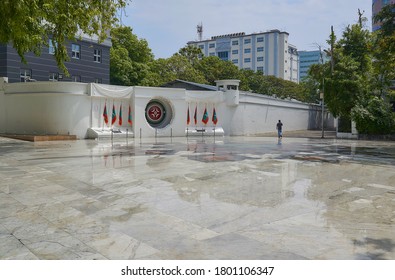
column 51, row 108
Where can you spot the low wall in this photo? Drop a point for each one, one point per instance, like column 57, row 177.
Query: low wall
column 71, row 108
column 42, row 108
column 259, row 114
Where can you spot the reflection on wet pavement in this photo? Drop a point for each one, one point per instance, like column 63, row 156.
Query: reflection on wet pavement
column 197, row 198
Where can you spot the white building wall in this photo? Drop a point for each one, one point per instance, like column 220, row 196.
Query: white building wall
column 257, row 114
column 71, row 108
column 45, row 107
column 283, row 62
column 2, row 107
column 276, row 60
column 175, row 98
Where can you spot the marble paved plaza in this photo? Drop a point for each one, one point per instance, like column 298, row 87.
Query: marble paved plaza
column 197, row 198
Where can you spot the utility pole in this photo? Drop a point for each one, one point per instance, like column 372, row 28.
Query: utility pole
column 322, row 93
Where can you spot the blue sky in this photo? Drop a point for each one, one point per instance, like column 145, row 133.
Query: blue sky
column 168, row 25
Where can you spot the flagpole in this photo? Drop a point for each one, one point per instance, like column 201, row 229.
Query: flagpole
column 105, row 107
column 188, row 120
column 100, row 111
column 112, row 126
column 214, row 119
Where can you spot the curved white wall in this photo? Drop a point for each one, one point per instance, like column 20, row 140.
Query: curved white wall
column 46, row 108
column 72, row 108
column 46, row 113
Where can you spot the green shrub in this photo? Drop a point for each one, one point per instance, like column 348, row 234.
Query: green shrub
column 374, row 118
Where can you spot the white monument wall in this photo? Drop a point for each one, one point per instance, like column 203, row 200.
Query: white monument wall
column 2, row 108
column 73, row 108
column 256, row 114
column 175, row 98
column 46, row 108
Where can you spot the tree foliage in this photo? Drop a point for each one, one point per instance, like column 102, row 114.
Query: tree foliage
column 138, row 67
column 213, row 68
column 374, row 117
column 129, row 57
column 192, row 53
column 28, row 24
column 356, row 86
column 383, row 49
column 271, row 85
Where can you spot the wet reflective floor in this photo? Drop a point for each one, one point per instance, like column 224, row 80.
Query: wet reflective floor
column 197, row 198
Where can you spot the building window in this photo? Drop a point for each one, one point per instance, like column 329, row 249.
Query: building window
column 235, row 43
column 75, row 51
column 97, row 55
column 260, row 49
column 223, row 55
column 53, row 77
column 76, row 79
column 212, row 45
column 259, row 69
column 235, row 51
column 26, row 75
column 247, row 41
column 247, row 68
column 51, row 47
column 259, row 58
column 259, row 39
column 97, row 81
column 235, row 61
column 201, row 47
column 212, row 54
column 247, row 50
column 247, row 60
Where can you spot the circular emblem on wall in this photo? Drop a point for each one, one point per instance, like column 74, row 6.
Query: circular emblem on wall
column 155, row 112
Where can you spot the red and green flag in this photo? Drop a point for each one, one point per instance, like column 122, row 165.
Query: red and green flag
column 205, row 116
column 188, row 118
column 114, row 115
column 105, row 116
column 120, row 115
column 214, row 118
column 130, row 116
column 195, row 115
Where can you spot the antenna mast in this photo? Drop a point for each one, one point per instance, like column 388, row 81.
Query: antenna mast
column 199, row 29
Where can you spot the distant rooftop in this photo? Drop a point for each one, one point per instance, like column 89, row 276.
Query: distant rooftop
column 239, row 34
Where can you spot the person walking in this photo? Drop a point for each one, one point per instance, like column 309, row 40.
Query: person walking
column 280, row 129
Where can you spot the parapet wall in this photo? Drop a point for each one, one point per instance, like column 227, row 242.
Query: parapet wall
column 51, row 108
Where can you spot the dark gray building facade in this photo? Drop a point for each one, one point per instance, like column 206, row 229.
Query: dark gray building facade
column 89, row 62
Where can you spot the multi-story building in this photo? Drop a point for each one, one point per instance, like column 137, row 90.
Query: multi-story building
column 377, row 5
column 89, row 62
column 268, row 52
column 308, row 58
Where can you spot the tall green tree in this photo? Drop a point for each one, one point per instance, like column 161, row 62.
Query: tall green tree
column 170, row 69
column 192, row 53
column 129, row 57
column 257, row 82
column 348, row 83
column 383, row 48
column 28, row 24
column 363, row 65
column 213, row 68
